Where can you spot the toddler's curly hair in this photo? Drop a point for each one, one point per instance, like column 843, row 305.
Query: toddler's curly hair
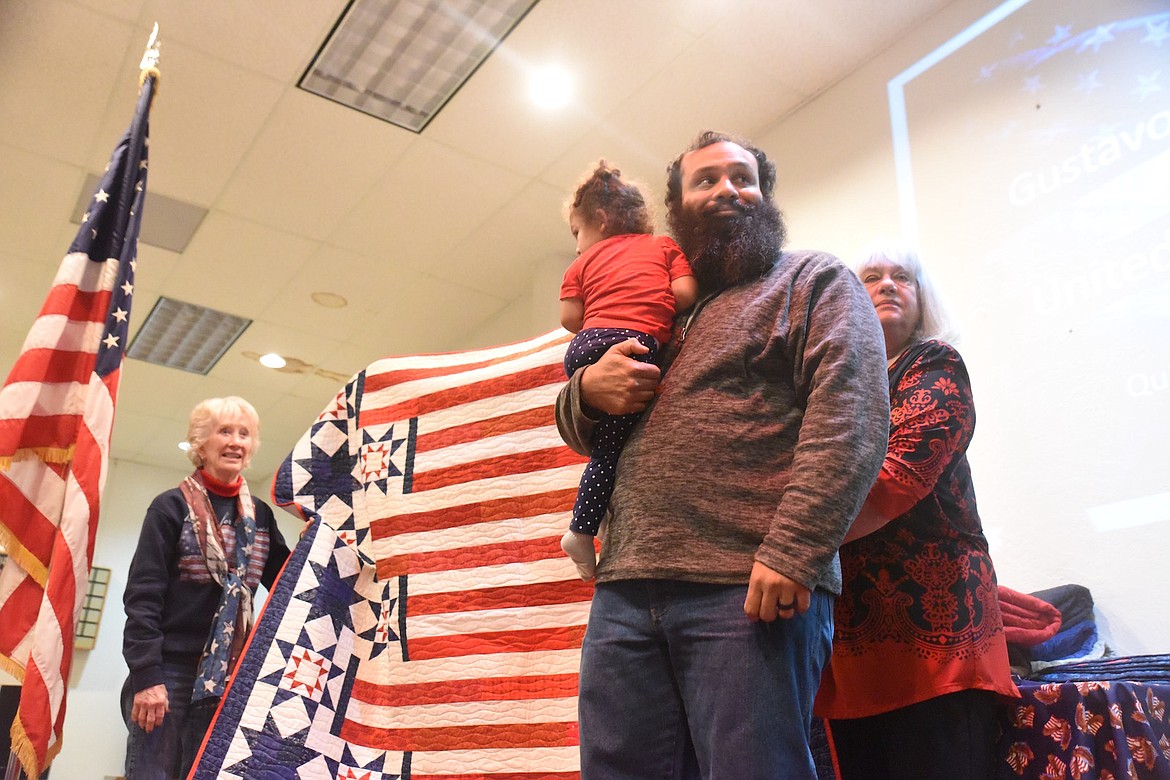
column 621, row 201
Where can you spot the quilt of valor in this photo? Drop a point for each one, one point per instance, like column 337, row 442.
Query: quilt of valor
column 427, row 626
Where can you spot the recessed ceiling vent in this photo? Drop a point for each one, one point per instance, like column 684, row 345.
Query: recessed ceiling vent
column 185, row 336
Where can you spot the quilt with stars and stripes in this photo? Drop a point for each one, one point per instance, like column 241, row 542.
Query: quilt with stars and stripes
column 427, row 626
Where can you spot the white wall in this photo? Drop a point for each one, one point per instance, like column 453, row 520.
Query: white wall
column 1064, row 297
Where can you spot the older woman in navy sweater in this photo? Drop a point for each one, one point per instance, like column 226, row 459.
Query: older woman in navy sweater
column 204, row 547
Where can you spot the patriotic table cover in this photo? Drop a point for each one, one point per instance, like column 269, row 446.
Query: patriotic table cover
column 1088, row 730
column 427, row 625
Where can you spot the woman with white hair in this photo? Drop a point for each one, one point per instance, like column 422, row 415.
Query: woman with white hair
column 919, row 655
column 203, row 549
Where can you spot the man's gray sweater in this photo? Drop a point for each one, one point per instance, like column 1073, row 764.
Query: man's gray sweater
column 769, row 428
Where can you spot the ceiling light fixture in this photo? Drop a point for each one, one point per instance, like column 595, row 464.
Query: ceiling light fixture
column 550, row 87
column 182, row 335
column 402, row 60
column 272, row 360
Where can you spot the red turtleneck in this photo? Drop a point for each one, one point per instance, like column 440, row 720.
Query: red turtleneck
column 221, row 488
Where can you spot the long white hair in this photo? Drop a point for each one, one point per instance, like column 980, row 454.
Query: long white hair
column 934, row 318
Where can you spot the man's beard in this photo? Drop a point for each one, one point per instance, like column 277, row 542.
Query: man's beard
column 725, row 252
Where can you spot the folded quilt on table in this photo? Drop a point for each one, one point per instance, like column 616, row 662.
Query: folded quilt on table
column 1072, row 642
column 1074, row 602
column 427, row 625
column 1027, row 620
column 1054, row 626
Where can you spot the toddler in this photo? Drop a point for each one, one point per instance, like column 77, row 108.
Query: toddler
column 625, row 284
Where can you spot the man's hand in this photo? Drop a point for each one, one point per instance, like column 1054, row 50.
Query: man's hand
column 771, row 595
column 619, row 384
column 150, row 705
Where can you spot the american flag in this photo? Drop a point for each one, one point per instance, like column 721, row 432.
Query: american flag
column 56, row 417
column 429, row 625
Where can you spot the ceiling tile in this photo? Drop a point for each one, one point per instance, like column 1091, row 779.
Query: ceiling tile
column 127, row 10
column 415, row 324
column 193, row 151
column 799, row 45
column 135, row 432
column 693, row 16
column 597, row 54
column 23, row 288
column 36, row 203
column 493, row 117
column 345, row 360
column 162, row 448
column 437, row 196
column 368, row 285
column 300, row 348
column 668, row 112
column 158, row 391
column 57, row 59
column 497, row 259
column 26, row 284
column 311, row 164
column 155, row 266
column 275, row 37
column 234, row 259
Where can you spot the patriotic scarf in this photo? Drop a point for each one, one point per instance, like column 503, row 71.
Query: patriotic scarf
column 233, row 618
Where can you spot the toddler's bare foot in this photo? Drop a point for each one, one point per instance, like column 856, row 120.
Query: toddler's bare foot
column 579, row 548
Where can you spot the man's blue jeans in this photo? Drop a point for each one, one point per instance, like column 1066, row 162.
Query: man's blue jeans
column 169, row 750
column 676, row 684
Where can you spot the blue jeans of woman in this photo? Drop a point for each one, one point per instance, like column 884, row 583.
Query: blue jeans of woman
column 169, row 750
column 676, row 684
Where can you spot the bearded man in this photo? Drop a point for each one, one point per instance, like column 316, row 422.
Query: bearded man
column 754, row 454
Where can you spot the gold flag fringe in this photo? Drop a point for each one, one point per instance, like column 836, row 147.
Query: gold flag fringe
column 12, row 667
column 19, row 555
column 56, row 455
column 22, row 748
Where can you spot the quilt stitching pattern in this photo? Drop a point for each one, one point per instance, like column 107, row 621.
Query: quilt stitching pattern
column 427, row 626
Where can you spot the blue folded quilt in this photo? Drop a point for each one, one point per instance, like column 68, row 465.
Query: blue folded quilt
column 1071, row 642
column 1075, row 602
